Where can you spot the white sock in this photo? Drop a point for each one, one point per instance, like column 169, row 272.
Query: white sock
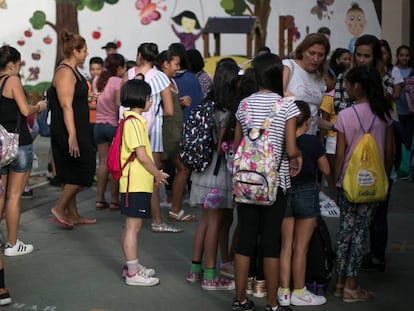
column 132, row 267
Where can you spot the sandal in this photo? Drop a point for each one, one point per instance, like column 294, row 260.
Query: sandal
column 339, row 291
column 158, row 228
column 356, row 295
column 100, row 205
column 114, row 206
column 181, row 216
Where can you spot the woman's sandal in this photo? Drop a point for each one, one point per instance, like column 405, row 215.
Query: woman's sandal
column 163, row 227
column 355, row 295
column 339, row 291
column 114, row 206
column 181, row 216
column 100, row 205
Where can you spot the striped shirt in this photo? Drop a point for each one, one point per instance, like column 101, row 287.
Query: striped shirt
column 158, row 83
column 259, row 106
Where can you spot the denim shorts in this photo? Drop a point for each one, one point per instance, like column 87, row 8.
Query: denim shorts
column 103, row 133
column 303, row 201
column 23, row 163
column 139, row 204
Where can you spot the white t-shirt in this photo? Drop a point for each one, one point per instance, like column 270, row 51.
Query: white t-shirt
column 309, row 87
column 396, row 75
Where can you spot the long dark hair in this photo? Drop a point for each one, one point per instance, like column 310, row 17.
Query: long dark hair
column 112, row 63
column 224, row 89
column 371, row 85
column 8, row 54
column 268, row 71
column 384, row 44
column 375, row 45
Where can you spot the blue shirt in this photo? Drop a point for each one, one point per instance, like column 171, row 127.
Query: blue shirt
column 188, row 84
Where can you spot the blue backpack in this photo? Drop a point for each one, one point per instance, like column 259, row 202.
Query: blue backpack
column 44, row 121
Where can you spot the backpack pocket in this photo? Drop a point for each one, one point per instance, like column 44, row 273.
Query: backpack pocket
column 252, row 187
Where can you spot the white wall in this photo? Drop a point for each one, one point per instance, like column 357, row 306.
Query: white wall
column 122, row 22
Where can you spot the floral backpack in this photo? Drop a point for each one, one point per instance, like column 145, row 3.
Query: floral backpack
column 255, row 178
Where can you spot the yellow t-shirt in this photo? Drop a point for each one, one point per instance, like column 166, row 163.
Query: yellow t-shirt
column 135, row 135
column 327, row 105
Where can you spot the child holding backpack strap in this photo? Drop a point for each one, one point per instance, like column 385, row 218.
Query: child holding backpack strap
column 263, row 222
column 371, row 109
column 137, row 180
column 301, row 215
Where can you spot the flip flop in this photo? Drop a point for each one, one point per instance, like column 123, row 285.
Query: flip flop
column 100, row 205
column 113, row 206
column 85, row 221
column 60, row 223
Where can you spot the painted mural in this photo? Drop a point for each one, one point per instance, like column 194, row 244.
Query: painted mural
column 32, row 25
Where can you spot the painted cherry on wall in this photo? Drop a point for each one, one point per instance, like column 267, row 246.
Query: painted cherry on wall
column 28, row 33
column 96, row 34
column 47, row 40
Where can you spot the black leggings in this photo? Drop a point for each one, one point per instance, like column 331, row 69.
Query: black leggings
column 261, row 226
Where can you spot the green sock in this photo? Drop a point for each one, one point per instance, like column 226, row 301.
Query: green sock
column 196, row 267
column 209, row 274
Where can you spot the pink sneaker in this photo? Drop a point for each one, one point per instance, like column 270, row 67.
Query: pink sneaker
column 219, row 283
column 193, row 277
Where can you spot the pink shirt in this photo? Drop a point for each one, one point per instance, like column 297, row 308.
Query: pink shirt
column 348, row 124
column 106, row 107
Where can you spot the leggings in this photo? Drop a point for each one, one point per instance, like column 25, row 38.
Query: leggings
column 261, row 226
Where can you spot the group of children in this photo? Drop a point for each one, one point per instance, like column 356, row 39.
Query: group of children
column 301, row 155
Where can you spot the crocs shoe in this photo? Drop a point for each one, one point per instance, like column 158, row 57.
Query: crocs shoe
column 219, row 283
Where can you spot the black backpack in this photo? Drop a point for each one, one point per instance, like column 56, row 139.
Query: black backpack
column 320, row 259
column 196, row 147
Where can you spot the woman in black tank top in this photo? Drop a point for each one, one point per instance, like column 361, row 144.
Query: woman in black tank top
column 72, row 145
column 13, row 112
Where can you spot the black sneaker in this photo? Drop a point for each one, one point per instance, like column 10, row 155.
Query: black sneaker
column 5, row 298
column 248, row 305
column 27, row 194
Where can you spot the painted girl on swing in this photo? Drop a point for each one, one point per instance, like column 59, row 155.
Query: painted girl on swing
column 189, row 29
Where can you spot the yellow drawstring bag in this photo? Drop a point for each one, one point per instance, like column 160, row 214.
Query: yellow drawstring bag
column 365, row 179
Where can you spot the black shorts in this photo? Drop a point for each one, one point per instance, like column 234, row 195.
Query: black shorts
column 139, row 204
